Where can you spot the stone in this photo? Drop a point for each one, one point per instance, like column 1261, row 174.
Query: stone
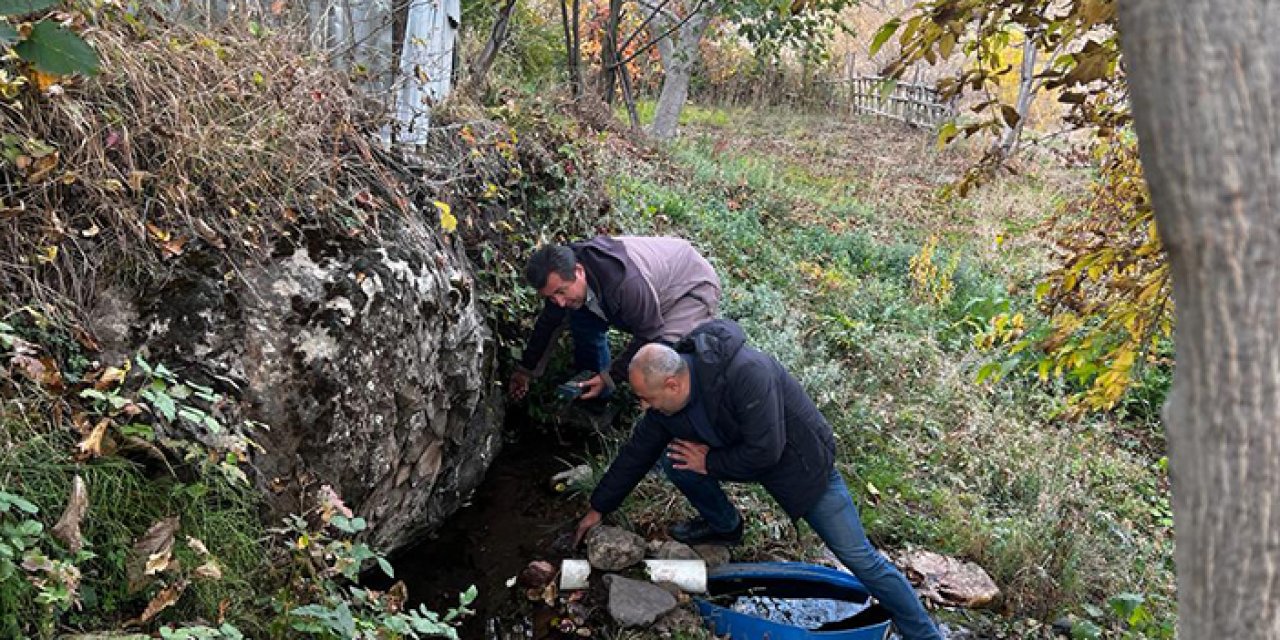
column 613, row 549
column 713, row 554
column 633, row 603
column 949, row 581
column 673, row 550
column 368, row 358
column 537, row 574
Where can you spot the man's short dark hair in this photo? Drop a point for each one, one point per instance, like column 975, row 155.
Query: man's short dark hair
column 548, row 259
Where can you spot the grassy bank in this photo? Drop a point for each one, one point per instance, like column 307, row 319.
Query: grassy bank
column 839, row 259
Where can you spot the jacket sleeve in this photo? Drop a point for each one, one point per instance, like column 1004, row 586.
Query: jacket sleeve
column 647, row 443
column 638, row 312
column 549, row 323
column 758, row 407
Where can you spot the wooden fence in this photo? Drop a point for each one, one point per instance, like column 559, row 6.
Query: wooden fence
column 915, row 104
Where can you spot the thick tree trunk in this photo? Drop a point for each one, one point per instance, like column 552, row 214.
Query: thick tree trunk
column 1203, row 77
column 675, row 91
column 679, row 52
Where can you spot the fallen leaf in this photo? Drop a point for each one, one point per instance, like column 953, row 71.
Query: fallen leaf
column 158, row 562
column 278, row 7
column 157, row 540
column 209, row 571
column 43, row 80
column 163, row 600
column 366, row 200
column 173, row 248
column 85, row 338
column 68, row 527
column 197, row 546
column 157, row 233
column 42, row 167
column 40, row 370
column 136, row 178
column 91, row 446
column 109, row 378
column 447, row 220
column 396, row 597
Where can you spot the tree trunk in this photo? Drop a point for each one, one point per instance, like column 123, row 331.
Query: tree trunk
column 1203, row 77
column 497, row 37
column 609, row 52
column 426, row 65
column 679, row 52
column 1026, row 93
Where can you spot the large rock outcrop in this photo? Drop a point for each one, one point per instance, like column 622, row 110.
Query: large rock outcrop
column 370, row 361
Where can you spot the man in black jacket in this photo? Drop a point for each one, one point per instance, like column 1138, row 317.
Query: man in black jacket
column 656, row 289
column 721, row 410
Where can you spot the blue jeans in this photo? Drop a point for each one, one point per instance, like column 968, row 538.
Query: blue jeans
column 835, row 519
column 590, row 341
column 705, row 494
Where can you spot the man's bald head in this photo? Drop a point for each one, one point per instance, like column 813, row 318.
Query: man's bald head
column 656, row 361
column 660, row 378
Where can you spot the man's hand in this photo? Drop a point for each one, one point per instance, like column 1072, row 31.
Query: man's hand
column 593, row 386
column 686, row 455
column 519, row 385
column 587, row 523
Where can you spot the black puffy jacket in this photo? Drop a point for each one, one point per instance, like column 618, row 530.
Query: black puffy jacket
column 769, row 430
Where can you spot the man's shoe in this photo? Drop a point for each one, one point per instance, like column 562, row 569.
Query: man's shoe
column 697, row 531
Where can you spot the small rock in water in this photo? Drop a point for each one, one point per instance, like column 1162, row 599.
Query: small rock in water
column 537, row 574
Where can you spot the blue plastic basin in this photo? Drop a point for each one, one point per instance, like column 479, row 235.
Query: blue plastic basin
column 787, row 580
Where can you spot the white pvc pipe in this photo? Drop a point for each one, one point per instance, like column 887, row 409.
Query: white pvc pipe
column 689, row 575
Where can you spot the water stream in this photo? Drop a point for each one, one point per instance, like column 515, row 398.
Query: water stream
column 514, row 517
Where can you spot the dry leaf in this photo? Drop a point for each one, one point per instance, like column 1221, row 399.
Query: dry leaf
column 91, row 446
column 396, row 597
column 157, row 233
column 173, row 248
column 110, row 377
column 158, row 540
column 163, row 600
column 158, row 562
column 197, row 546
column 68, row 527
column 42, row 167
column 136, row 178
column 209, row 571
column 42, row 371
column 278, row 7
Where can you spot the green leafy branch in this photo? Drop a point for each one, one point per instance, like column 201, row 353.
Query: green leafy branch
column 47, row 44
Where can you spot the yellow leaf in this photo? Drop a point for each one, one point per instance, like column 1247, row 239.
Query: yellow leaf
column 447, row 221
column 43, row 80
column 48, row 254
column 158, row 233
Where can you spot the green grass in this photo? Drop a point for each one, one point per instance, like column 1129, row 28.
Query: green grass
column 813, row 230
column 124, row 501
